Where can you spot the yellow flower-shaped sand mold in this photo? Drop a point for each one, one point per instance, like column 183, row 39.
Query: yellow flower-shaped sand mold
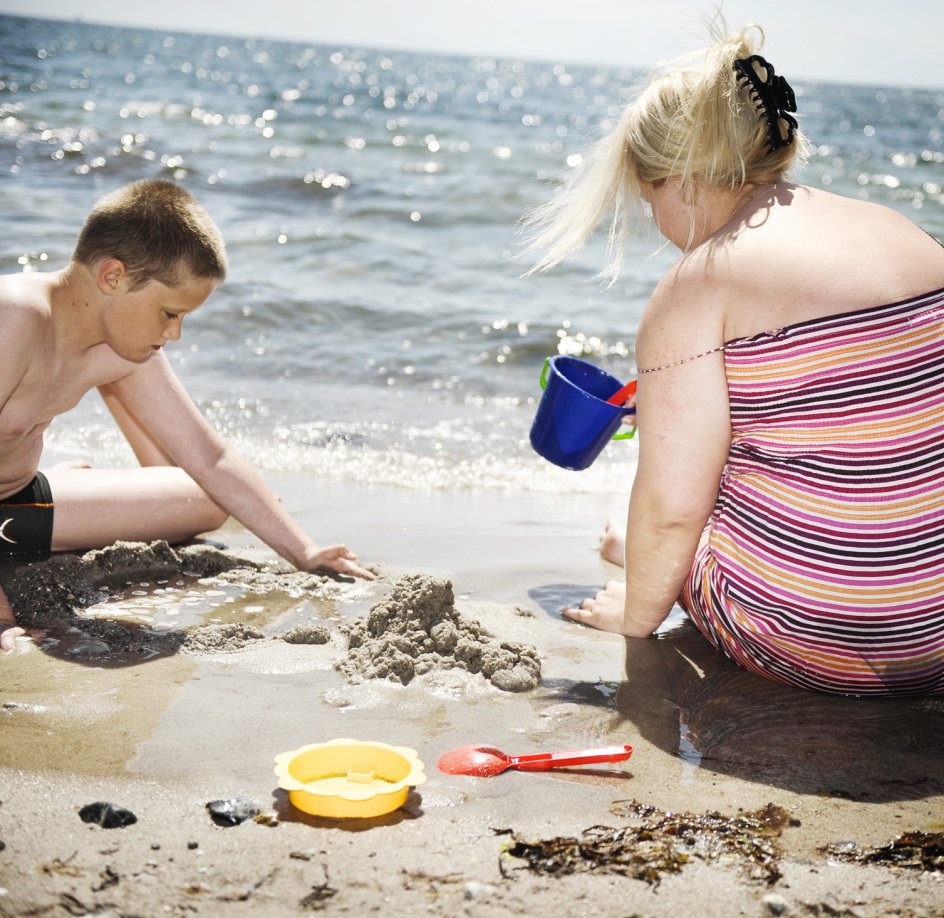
column 345, row 778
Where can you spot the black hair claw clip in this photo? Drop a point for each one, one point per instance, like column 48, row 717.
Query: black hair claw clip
column 773, row 97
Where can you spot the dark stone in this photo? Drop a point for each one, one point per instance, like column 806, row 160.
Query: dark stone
column 232, row 812
column 107, row 815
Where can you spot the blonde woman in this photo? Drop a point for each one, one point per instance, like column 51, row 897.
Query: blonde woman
column 790, row 486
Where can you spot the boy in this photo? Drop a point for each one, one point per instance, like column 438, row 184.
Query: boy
column 147, row 256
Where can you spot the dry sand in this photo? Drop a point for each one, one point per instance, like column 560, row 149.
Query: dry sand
column 220, row 661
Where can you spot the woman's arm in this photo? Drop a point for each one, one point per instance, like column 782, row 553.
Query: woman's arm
column 684, row 436
column 159, row 405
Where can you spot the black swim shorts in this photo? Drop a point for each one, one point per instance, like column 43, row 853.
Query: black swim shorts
column 26, row 520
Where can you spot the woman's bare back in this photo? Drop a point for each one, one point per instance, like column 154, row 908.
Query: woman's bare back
column 801, row 253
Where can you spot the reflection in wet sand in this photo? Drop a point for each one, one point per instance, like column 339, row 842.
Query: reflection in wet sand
column 690, row 700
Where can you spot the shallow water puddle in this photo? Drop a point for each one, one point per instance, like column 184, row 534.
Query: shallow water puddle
column 144, row 619
column 183, row 602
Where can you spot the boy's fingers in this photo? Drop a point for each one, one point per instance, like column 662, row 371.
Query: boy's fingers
column 358, row 571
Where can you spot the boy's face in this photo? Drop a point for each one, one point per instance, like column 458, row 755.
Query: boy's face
column 144, row 320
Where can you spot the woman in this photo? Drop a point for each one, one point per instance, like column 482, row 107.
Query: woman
column 790, row 486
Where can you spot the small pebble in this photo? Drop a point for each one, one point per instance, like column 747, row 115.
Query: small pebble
column 88, row 648
column 776, row 904
column 478, row 892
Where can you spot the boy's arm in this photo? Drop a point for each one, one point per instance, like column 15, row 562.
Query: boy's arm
column 157, row 401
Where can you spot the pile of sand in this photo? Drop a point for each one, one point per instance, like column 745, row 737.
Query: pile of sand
column 416, row 628
column 224, row 638
column 233, row 636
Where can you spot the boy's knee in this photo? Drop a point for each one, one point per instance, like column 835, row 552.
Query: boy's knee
column 212, row 516
column 199, row 513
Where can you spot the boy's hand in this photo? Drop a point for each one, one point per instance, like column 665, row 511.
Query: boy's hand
column 9, row 632
column 339, row 558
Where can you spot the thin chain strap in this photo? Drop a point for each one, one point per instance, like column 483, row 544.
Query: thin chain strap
column 678, row 363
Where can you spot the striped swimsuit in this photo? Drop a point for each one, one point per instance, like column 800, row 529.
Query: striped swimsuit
column 822, row 565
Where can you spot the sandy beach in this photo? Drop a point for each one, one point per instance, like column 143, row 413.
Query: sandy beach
column 806, row 788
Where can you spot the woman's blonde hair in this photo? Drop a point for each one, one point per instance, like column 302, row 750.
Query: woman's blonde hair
column 693, row 121
column 160, row 232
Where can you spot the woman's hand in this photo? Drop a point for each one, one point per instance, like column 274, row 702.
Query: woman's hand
column 339, row 558
column 605, row 611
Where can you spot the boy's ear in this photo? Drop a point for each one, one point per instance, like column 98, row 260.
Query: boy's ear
column 110, row 275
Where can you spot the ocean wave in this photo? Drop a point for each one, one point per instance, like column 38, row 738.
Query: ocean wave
column 442, row 461
column 371, row 203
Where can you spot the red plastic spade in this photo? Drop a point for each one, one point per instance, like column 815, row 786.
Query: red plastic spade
column 623, row 393
column 485, row 761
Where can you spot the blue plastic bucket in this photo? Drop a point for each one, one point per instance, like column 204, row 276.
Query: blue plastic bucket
column 574, row 421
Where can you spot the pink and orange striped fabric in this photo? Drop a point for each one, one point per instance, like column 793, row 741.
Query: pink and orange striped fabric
column 823, row 563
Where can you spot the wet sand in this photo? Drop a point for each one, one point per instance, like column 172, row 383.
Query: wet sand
column 163, row 723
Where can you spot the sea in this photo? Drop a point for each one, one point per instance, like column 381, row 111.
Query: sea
column 377, row 325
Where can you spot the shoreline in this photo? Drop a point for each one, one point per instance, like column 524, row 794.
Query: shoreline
column 164, row 737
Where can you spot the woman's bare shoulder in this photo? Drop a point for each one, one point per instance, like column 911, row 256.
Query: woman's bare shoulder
column 819, row 254
column 685, row 314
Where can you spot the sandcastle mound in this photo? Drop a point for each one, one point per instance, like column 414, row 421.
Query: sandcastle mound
column 416, row 629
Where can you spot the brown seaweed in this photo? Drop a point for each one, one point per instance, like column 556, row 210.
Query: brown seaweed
column 916, row 850
column 317, row 900
column 662, row 842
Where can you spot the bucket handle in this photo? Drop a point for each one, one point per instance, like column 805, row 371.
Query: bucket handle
column 620, row 435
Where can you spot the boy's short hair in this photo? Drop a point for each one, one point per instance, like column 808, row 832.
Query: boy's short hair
column 158, row 230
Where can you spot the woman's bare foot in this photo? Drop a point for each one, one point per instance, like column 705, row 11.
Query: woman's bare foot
column 613, row 544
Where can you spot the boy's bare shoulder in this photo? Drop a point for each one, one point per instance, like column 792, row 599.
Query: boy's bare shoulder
column 24, row 322
column 24, row 299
